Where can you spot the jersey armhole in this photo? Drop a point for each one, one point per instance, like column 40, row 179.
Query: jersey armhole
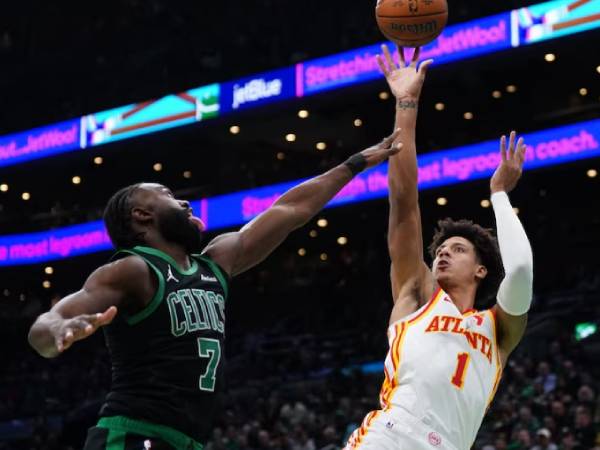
column 158, row 295
column 218, row 271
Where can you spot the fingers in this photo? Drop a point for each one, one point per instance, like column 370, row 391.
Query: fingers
column 415, row 57
column 511, row 145
column 382, row 66
column 424, row 67
column 503, row 147
column 107, row 316
column 391, row 138
column 395, row 148
column 521, row 149
column 388, row 57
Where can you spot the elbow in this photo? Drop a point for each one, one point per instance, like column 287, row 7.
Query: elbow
column 42, row 342
column 522, row 274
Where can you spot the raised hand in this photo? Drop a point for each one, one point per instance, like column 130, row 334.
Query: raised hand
column 80, row 327
column 405, row 80
column 509, row 171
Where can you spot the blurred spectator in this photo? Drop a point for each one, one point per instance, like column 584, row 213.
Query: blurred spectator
column 544, row 440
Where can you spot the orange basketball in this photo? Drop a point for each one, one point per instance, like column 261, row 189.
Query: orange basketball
column 411, row 23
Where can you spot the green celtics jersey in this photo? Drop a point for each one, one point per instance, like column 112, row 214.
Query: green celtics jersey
column 167, row 359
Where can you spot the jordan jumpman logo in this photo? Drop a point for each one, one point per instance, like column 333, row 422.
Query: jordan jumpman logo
column 170, row 276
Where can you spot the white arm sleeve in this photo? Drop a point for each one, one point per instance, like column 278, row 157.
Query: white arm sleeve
column 515, row 292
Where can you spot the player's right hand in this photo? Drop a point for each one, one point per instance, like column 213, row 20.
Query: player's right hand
column 405, row 80
column 80, row 327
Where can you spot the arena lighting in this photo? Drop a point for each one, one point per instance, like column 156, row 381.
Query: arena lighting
column 511, row 29
column 592, row 173
column 49, row 270
column 384, row 95
column 76, row 180
column 496, row 94
column 302, row 251
column 157, row 167
column 516, row 210
column 342, row 240
column 511, row 88
column 546, row 148
column 46, row 284
column 98, row 160
column 468, row 115
column 516, row 28
column 187, row 174
column 321, row 146
column 583, row 92
column 280, row 156
column 442, row 201
column 440, row 106
column 234, row 129
column 485, row 203
column 25, row 195
column 3, row 187
column 303, row 114
column 290, row 137
column 550, row 57
column 313, row 233
column 323, row 256
column 598, row 69
column 358, row 122
column 322, row 223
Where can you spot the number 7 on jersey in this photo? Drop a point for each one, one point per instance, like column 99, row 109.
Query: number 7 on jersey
column 209, row 348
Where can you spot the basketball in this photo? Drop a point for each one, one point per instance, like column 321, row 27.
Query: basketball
column 411, row 23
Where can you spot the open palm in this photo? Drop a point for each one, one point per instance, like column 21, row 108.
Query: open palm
column 405, row 80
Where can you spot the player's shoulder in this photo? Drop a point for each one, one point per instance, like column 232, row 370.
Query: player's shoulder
column 124, row 270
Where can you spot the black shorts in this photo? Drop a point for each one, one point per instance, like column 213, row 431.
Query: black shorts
column 124, row 433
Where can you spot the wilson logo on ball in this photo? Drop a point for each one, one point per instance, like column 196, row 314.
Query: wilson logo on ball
column 411, row 23
column 416, row 29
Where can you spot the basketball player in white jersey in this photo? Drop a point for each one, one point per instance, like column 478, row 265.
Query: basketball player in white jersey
column 446, row 358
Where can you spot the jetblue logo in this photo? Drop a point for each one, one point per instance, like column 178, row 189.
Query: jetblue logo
column 255, row 90
column 205, row 278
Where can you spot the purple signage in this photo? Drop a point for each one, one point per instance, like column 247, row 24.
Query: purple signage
column 50, row 245
column 456, row 42
column 544, row 148
column 39, row 142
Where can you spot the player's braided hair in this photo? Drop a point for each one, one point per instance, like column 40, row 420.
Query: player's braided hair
column 117, row 218
column 486, row 248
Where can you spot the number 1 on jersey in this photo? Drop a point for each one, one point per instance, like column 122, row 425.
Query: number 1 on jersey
column 209, row 348
column 458, row 379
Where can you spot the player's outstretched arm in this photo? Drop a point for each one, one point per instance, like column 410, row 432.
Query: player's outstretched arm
column 515, row 292
column 239, row 251
column 409, row 273
column 80, row 314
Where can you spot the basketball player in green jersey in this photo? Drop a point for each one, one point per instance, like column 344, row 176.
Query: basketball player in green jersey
column 162, row 301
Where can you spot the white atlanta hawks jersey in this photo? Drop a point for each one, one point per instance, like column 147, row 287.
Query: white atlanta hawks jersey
column 441, row 373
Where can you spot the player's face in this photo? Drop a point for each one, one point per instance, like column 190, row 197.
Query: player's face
column 456, row 263
column 174, row 218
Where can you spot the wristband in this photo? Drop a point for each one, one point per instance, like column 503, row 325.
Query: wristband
column 356, row 163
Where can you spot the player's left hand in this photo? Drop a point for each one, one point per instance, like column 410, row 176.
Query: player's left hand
column 405, row 80
column 511, row 167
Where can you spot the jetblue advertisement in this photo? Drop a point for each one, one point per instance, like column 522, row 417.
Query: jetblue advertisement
column 257, row 90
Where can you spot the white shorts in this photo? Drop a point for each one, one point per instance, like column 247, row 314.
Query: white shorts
column 383, row 430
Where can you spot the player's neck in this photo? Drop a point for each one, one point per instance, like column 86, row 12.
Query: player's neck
column 175, row 251
column 462, row 296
